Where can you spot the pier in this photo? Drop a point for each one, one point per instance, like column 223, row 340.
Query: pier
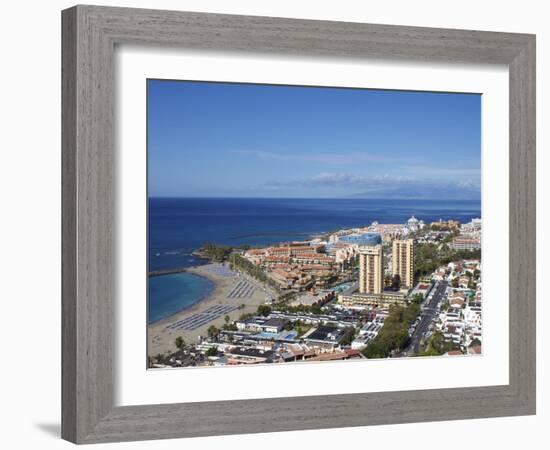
column 158, row 273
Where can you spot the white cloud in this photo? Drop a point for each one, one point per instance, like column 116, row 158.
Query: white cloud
column 328, row 158
column 381, row 185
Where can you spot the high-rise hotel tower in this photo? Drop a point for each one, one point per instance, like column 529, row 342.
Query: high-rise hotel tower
column 403, row 261
column 371, row 270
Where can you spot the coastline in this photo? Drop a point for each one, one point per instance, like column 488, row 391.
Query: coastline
column 195, row 302
column 160, row 338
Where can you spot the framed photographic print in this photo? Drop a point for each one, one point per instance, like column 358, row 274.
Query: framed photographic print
column 268, row 242
column 265, row 216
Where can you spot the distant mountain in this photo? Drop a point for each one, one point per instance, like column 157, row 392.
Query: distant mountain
column 435, row 192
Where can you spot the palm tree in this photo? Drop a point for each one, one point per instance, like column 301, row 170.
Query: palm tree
column 212, row 331
column 180, row 343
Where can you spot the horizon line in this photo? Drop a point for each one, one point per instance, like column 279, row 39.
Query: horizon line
column 312, row 198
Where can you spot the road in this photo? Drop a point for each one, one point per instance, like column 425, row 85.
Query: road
column 429, row 311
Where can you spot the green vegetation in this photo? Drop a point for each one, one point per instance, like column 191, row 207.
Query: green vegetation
column 435, row 227
column 289, row 326
column 465, row 254
column 417, row 298
column 180, row 343
column 212, row 331
column 215, row 252
column 447, row 239
column 286, row 297
column 212, row 351
column 436, row 345
column 219, row 253
column 264, row 310
column 327, row 280
column 429, row 256
column 246, row 316
column 236, row 261
column 394, row 334
column 349, row 336
column 302, row 330
column 301, row 327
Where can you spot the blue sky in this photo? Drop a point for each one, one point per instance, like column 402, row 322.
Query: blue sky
column 244, row 140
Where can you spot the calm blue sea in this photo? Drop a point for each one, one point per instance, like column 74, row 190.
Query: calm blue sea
column 169, row 294
column 177, row 226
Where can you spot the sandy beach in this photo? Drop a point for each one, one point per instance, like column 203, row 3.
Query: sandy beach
column 160, row 337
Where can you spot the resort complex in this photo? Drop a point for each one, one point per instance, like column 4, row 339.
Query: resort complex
column 378, row 291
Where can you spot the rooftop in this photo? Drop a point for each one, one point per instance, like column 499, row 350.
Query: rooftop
column 275, row 322
column 326, row 334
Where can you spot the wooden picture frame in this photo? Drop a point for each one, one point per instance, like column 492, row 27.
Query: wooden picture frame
column 90, row 34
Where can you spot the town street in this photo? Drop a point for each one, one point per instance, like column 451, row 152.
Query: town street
column 429, row 312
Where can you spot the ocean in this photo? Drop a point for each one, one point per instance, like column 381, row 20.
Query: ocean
column 169, row 294
column 177, row 226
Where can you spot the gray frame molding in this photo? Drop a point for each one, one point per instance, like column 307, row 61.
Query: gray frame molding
column 89, row 36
